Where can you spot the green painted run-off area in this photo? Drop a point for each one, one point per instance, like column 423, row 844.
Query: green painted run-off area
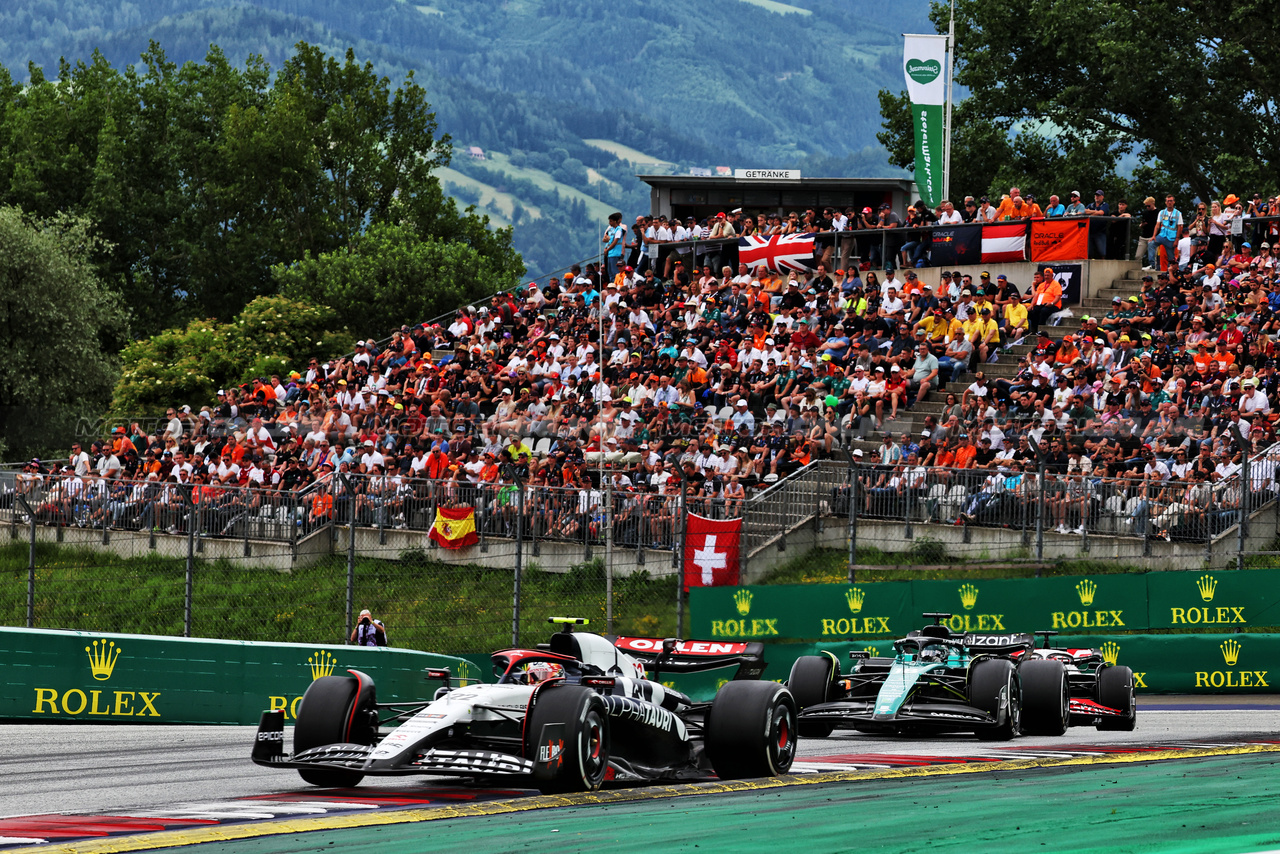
column 1215, row 804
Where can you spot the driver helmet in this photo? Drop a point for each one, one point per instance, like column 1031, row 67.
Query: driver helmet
column 933, row 652
column 541, row 671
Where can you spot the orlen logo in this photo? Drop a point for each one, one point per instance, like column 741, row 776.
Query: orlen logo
column 1086, row 592
column 102, row 655
column 1195, row 615
column 1231, row 650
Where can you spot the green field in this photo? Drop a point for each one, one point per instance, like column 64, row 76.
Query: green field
column 425, row 604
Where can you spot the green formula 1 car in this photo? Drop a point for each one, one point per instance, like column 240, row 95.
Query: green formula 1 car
column 937, row 681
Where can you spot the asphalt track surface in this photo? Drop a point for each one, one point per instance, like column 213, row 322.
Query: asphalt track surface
column 204, row 772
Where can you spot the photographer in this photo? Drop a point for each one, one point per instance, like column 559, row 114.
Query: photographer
column 368, row 631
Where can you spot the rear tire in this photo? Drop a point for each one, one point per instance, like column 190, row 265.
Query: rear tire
column 751, row 730
column 325, row 717
column 1116, row 691
column 810, row 683
column 567, row 737
column 1045, row 697
column 993, row 683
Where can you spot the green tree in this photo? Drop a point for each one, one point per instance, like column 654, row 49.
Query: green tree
column 203, row 176
column 59, row 326
column 393, row 275
column 1189, row 87
column 273, row 335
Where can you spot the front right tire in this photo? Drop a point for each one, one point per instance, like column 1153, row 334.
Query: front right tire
column 811, row 682
column 567, row 737
column 1116, row 691
column 325, row 716
column 1046, row 697
column 993, row 684
column 751, row 730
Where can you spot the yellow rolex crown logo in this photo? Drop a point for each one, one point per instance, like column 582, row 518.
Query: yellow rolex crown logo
column 1110, row 652
column 855, row 597
column 1207, row 584
column 968, row 596
column 102, row 659
column 871, row 650
column 321, row 664
column 1230, row 651
column 742, row 601
column 1086, row 590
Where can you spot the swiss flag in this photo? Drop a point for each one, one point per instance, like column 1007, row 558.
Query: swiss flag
column 711, row 551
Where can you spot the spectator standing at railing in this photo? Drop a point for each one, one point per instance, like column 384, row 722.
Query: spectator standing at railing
column 1168, row 231
column 614, row 240
column 1074, row 206
column 1055, row 207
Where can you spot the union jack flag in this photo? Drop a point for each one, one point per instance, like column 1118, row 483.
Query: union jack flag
column 779, row 252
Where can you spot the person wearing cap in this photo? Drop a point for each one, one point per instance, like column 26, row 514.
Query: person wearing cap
column 1168, row 231
column 1046, row 300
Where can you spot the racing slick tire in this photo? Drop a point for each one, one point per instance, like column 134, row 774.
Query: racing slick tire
column 1046, row 699
column 1116, row 691
column 325, row 716
column 567, row 737
column 989, row 681
column 811, row 683
column 751, row 730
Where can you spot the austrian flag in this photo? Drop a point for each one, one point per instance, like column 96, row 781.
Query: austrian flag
column 779, row 252
column 1004, row 242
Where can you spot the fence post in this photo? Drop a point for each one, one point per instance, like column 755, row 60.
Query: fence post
column 1245, row 489
column 31, row 564
column 853, row 518
column 678, row 558
column 1040, row 515
column 351, row 554
column 608, row 555
column 515, row 589
column 189, row 593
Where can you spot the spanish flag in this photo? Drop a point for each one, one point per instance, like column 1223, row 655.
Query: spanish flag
column 455, row 527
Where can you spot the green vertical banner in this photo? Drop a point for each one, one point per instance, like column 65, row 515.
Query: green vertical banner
column 923, row 61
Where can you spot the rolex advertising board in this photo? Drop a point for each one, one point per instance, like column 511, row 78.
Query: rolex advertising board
column 802, row 611
column 1063, row 604
column 1191, row 664
column 1214, row 601
column 102, row 677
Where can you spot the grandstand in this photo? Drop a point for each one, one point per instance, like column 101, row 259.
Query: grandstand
column 719, row 386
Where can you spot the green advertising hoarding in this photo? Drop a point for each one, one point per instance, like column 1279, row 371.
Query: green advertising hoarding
column 1162, row 664
column 1065, row 603
column 1214, row 601
column 802, row 611
column 1191, row 664
column 102, row 677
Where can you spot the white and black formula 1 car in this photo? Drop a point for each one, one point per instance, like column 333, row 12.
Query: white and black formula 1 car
column 571, row 714
column 1074, row 687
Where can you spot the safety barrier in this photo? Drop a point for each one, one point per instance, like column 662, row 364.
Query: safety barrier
column 1196, row 601
column 99, row 678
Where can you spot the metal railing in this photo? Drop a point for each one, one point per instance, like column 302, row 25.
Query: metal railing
column 640, row 517
column 253, row 512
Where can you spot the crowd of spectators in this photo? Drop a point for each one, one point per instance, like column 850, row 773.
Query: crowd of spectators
column 1211, row 232
column 723, row 381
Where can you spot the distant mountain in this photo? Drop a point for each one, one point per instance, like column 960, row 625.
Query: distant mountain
column 656, row 85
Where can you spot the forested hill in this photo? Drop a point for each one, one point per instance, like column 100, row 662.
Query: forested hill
column 738, row 83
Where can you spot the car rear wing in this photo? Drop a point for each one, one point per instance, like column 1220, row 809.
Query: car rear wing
column 1014, row 643
column 694, row 656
